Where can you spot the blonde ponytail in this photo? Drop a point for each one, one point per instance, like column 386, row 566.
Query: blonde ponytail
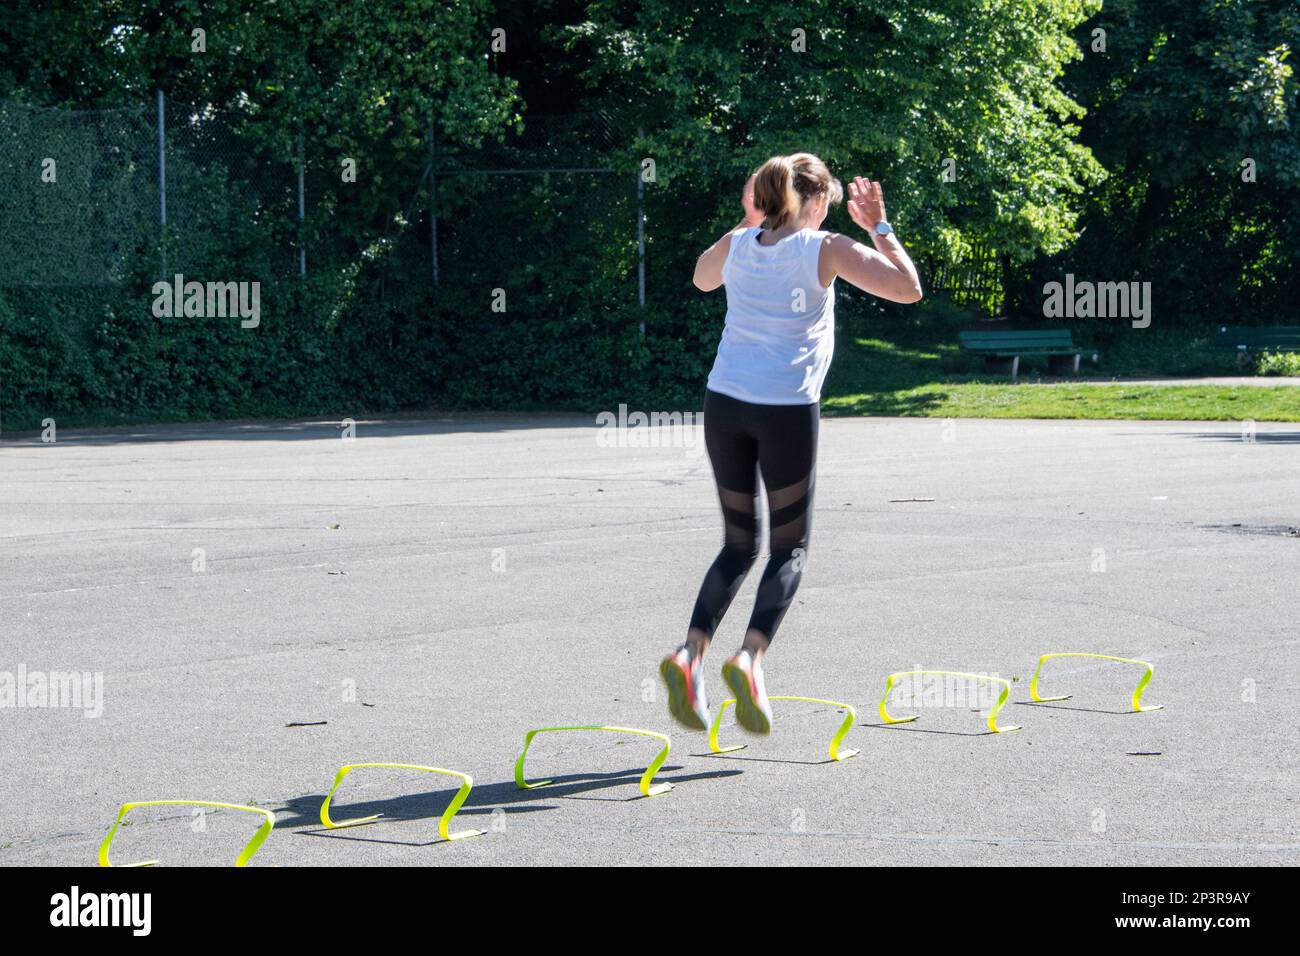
column 784, row 183
column 774, row 191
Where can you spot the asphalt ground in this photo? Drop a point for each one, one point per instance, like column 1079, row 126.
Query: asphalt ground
column 434, row 587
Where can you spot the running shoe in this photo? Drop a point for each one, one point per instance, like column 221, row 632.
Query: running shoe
column 681, row 674
column 745, row 678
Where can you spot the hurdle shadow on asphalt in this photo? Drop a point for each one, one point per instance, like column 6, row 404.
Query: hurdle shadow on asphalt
column 572, row 786
column 734, row 756
column 485, row 799
column 710, row 755
column 1083, row 710
column 418, row 808
column 351, row 836
column 909, row 729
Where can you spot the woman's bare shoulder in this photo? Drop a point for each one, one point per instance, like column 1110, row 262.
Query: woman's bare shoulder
column 835, row 245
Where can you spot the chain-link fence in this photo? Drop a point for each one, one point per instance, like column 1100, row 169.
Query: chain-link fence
column 99, row 197
column 557, row 168
column 162, row 188
column 223, row 195
column 82, row 197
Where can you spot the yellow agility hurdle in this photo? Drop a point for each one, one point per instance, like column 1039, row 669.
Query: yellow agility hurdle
column 835, row 752
column 1138, row 708
column 246, row 854
column 646, row 778
column 993, row 713
column 444, row 824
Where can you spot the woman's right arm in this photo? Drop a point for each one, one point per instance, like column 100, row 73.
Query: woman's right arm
column 708, row 267
column 887, row 270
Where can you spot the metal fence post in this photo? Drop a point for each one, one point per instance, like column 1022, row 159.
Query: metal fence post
column 433, row 195
column 640, row 232
column 302, row 215
column 162, row 183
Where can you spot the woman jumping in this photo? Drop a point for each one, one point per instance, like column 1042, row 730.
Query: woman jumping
column 762, row 404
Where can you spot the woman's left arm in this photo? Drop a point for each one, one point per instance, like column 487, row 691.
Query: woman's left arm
column 708, row 267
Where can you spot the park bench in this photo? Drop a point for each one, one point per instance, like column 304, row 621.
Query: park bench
column 1277, row 338
column 1002, row 349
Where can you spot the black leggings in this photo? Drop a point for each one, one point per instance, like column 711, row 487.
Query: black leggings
column 780, row 441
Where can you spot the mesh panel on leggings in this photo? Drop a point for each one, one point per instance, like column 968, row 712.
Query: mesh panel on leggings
column 789, row 509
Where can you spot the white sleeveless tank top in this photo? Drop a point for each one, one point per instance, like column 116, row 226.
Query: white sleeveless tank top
column 780, row 331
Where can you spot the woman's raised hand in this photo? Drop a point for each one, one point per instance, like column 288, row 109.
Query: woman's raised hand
column 866, row 203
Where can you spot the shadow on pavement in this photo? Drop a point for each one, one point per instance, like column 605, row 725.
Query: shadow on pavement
column 1235, row 435
column 1084, row 710
column 314, row 429
column 909, row 729
column 484, row 799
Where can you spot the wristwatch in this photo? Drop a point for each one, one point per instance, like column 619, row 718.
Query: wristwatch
column 882, row 228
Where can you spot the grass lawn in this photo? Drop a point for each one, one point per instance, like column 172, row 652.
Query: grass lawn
column 917, row 369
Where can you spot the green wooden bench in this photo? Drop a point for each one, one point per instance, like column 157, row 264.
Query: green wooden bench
column 1002, row 349
column 1277, row 338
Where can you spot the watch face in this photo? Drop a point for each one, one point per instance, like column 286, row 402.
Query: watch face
column 883, row 228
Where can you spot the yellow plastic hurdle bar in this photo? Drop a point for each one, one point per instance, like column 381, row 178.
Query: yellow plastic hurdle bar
column 246, row 854
column 444, row 824
column 835, row 752
column 993, row 713
column 1138, row 708
column 647, row 790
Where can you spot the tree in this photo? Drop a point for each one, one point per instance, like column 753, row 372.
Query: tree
column 885, row 88
column 332, row 78
column 1192, row 107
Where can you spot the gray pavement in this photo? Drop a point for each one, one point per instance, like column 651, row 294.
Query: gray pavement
column 437, row 586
